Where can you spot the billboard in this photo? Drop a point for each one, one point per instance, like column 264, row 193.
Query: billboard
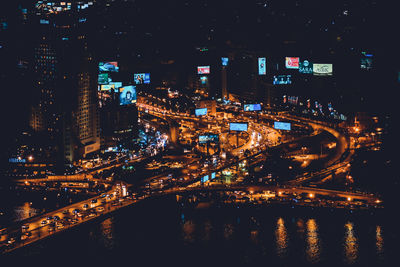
column 204, row 179
column 252, row 107
column 366, row 61
column 292, row 62
column 306, row 67
column 141, row 78
column 107, row 87
column 109, row 66
column 103, row 78
column 262, row 66
column 224, row 61
column 208, row 138
column 127, row 95
column 282, row 79
column 282, row 125
column 238, row 126
column 320, row 69
column 213, row 175
column 117, row 85
column 203, row 70
column 200, row 111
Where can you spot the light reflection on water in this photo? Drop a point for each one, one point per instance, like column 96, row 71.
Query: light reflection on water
column 379, row 240
column 24, row 211
column 350, row 244
column 228, row 231
column 313, row 244
column 188, row 231
column 281, row 238
column 107, row 232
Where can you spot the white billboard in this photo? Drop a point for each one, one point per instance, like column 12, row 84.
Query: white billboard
column 320, row 69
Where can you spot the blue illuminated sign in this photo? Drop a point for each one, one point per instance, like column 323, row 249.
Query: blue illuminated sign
column 262, row 69
column 225, row 61
column 252, row 107
column 200, row 111
column 282, row 125
column 204, row 179
column 238, row 126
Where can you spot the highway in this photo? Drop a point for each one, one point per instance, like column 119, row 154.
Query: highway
column 261, row 138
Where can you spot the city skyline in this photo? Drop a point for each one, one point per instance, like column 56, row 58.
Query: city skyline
column 112, row 107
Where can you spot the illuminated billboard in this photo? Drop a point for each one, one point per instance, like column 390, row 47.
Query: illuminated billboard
column 109, row 66
column 252, row 107
column 103, row 78
column 282, row 125
column 238, row 126
column 107, row 87
column 203, row 70
column 322, row 69
column 262, row 66
column 306, row 67
column 141, row 78
column 204, row 80
column 292, row 62
column 366, row 61
column 224, row 61
column 117, row 85
column 127, row 95
column 204, row 179
column 282, row 79
column 213, row 175
column 208, row 138
column 200, row 111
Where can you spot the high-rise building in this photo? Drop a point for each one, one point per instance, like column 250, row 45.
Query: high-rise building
column 65, row 76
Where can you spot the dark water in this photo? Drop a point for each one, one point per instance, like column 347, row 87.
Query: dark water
column 17, row 205
column 160, row 232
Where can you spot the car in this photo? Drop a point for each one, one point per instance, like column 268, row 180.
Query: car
column 65, row 212
column 85, row 206
column 56, row 218
column 44, row 222
column 49, row 218
column 94, row 200
column 100, row 209
column 75, row 211
column 25, row 226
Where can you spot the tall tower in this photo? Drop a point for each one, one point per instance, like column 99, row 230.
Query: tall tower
column 65, row 81
column 224, row 62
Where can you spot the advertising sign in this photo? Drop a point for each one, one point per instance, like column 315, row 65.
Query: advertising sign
column 213, row 175
column 200, row 111
column 208, row 138
column 103, row 78
column 224, row 61
column 238, row 126
column 204, row 179
column 107, row 87
column 141, row 78
column 262, row 69
column 109, row 66
column 292, row 62
column 282, row 125
column 203, row 70
column 306, row 67
column 127, row 95
column 366, row 61
column 322, row 69
column 252, row 107
column 282, row 79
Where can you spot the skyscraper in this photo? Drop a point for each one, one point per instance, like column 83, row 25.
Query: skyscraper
column 65, row 76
